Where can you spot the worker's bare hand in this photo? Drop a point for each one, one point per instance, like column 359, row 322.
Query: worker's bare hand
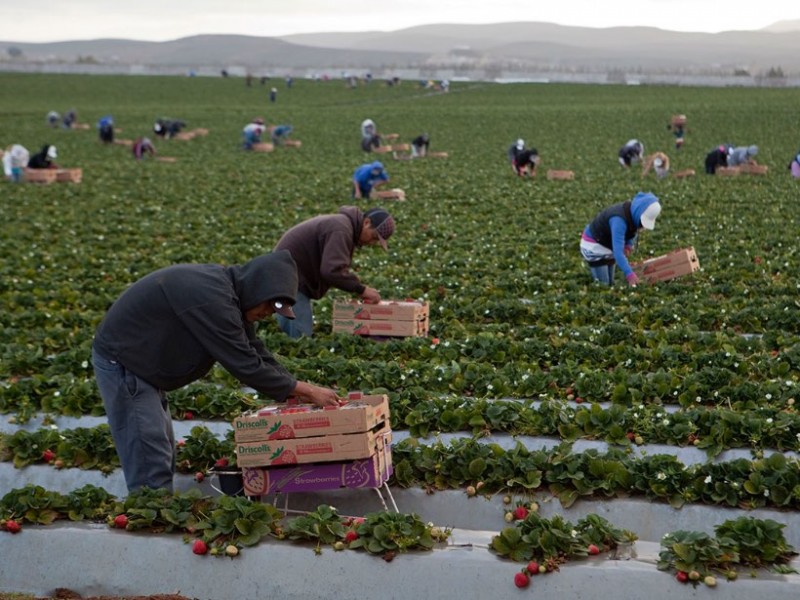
column 371, row 295
column 321, row 396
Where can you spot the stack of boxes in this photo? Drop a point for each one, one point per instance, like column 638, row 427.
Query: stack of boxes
column 397, row 318
column 301, row 447
column 669, row 266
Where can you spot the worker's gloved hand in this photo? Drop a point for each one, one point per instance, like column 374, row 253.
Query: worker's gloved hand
column 628, row 250
column 633, row 279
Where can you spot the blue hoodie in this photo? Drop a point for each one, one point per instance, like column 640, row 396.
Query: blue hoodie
column 367, row 175
column 618, row 227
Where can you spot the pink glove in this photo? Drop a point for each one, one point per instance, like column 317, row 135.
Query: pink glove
column 633, row 279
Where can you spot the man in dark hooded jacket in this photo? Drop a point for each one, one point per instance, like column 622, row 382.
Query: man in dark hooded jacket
column 323, row 249
column 44, row 158
column 167, row 330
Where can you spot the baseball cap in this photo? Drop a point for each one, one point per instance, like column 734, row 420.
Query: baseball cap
column 520, row 144
column 282, row 307
column 650, row 214
column 383, row 223
column 51, row 152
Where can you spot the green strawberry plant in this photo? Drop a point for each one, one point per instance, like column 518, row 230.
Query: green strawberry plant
column 743, row 542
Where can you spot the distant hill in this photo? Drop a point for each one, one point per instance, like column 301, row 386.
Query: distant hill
column 507, row 46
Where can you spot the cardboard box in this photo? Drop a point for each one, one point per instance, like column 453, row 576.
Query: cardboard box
column 562, row 175
column 40, row 175
column 371, row 472
column 386, row 310
column 327, row 448
column 401, row 147
column 263, row 147
column 677, row 263
column 672, row 272
column 753, row 169
column 727, row 171
column 381, row 328
column 69, row 175
column 280, row 422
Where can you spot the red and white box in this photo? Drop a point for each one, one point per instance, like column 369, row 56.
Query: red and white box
column 324, row 448
column 288, row 421
column 677, row 263
column 399, row 318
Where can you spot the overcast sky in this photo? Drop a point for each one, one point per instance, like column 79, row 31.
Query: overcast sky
column 160, row 20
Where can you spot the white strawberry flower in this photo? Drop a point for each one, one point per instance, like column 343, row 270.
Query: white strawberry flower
column 661, row 476
column 85, row 364
column 707, row 479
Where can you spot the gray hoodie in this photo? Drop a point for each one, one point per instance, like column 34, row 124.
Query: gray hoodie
column 172, row 325
column 741, row 154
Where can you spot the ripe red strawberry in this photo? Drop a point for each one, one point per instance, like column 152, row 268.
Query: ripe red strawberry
column 631, row 436
column 188, row 415
column 199, row 476
column 522, row 579
column 682, row 576
column 593, row 550
column 287, row 457
column 520, row 513
column 12, row 526
column 284, row 432
column 221, row 463
column 358, row 521
column 350, row 536
column 121, row 521
column 48, row 455
column 434, row 341
column 533, row 567
column 578, row 400
column 181, row 443
column 200, row 547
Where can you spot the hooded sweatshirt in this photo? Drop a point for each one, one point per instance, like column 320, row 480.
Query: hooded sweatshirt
column 367, row 175
column 41, row 160
column 171, row 326
column 614, row 229
column 323, row 249
column 741, row 154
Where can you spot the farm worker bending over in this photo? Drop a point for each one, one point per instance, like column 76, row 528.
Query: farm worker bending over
column 167, row 330
column 369, row 135
column 368, row 177
column 143, row 146
column 658, row 162
column 609, row 239
column 44, row 158
column 717, row 158
column 251, row 134
column 742, row 155
column 105, row 129
column 631, row 153
column 280, row 134
column 323, row 249
column 15, row 159
column 523, row 160
column 794, row 166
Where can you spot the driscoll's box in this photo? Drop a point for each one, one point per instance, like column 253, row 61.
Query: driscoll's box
column 370, row 472
column 675, row 264
column 379, row 327
column 387, row 310
column 279, row 422
column 325, row 448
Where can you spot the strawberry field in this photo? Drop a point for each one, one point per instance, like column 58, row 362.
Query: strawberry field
column 534, row 383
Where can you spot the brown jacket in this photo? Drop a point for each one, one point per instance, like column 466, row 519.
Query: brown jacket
column 323, row 249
